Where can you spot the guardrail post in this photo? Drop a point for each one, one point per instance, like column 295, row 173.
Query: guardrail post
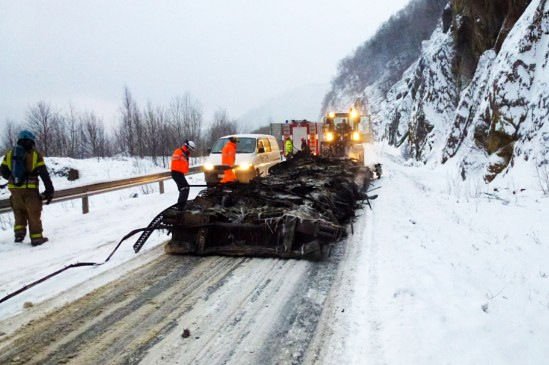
column 85, row 205
column 161, row 186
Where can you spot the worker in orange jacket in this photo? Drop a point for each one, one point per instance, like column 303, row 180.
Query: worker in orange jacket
column 228, row 157
column 180, row 167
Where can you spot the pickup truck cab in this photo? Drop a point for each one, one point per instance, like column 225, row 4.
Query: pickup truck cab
column 255, row 154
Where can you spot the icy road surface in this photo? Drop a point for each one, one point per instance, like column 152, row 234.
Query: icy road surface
column 438, row 272
column 238, row 310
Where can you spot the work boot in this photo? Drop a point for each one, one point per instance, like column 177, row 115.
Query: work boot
column 39, row 241
column 19, row 238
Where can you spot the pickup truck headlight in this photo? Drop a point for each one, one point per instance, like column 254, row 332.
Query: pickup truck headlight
column 329, row 136
column 208, row 166
column 356, row 136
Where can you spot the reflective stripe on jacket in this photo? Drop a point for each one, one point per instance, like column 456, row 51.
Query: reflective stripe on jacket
column 180, row 160
column 33, row 161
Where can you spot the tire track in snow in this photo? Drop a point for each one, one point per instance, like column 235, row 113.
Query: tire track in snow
column 374, row 325
column 232, row 306
column 108, row 313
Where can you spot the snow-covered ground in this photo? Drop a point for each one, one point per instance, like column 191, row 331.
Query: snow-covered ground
column 442, row 273
column 76, row 237
column 438, row 272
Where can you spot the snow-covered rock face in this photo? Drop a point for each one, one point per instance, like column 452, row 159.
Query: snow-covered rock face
column 478, row 96
column 466, row 111
column 534, row 56
column 503, row 110
column 419, row 107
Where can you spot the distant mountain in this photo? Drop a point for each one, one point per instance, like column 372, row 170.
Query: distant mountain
column 300, row 103
column 382, row 59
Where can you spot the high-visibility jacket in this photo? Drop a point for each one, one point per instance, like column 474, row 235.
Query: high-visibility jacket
column 180, row 160
column 288, row 147
column 228, row 157
column 35, row 166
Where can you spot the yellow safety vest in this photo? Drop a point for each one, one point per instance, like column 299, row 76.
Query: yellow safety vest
column 288, row 146
column 32, row 180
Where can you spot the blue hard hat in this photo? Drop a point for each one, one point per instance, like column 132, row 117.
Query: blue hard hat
column 26, row 135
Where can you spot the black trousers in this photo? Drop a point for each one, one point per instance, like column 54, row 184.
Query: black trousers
column 182, row 186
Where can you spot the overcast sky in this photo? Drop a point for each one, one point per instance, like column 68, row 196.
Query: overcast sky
column 233, row 54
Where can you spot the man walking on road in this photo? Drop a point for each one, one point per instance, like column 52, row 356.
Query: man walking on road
column 180, row 167
column 21, row 166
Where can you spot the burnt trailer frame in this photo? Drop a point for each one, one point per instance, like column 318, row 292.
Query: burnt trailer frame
column 299, row 211
column 290, row 237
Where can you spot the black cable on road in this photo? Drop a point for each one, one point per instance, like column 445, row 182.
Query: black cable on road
column 154, row 225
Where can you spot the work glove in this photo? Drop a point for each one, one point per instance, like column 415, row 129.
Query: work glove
column 47, row 196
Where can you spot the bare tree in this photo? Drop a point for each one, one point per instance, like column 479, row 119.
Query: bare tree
column 93, row 135
column 129, row 130
column 39, row 119
column 185, row 115
column 9, row 136
column 74, row 134
column 58, row 137
column 222, row 125
column 153, row 119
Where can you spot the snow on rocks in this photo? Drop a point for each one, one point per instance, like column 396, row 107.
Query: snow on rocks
column 487, row 126
column 420, row 107
column 513, row 109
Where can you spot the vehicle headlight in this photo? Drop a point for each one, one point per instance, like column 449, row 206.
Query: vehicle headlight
column 208, row 166
column 329, row 136
column 356, row 136
column 244, row 166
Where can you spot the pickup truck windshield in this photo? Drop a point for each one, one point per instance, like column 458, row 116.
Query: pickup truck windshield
column 243, row 145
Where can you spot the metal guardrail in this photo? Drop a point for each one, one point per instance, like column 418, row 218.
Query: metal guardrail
column 83, row 192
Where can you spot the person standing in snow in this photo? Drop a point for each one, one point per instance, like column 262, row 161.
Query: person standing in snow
column 228, row 157
column 21, row 166
column 180, row 167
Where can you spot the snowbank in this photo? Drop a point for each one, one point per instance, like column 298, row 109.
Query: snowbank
column 75, row 237
column 440, row 274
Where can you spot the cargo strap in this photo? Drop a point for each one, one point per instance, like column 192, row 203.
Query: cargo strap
column 154, row 225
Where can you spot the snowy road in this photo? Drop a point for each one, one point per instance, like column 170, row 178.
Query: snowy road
column 439, row 272
column 238, row 310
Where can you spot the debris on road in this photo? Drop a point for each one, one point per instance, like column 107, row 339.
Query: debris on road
column 298, row 211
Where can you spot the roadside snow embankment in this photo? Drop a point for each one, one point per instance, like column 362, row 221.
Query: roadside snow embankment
column 76, row 237
column 437, row 274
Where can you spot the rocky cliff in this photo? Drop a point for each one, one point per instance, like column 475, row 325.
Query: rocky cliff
column 477, row 95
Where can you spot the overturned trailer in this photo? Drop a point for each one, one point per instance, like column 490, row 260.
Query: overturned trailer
column 298, row 211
